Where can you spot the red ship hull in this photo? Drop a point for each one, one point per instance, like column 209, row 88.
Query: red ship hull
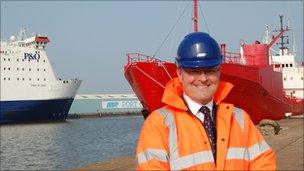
column 258, row 85
column 259, row 91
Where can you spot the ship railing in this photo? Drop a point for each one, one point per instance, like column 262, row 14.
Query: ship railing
column 293, row 99
column 236, row 58
column 231, row 57
column 139, row 57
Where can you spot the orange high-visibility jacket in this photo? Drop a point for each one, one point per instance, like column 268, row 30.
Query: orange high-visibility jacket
column 172, row 138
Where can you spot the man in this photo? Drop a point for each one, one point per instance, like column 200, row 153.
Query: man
column 195, row 130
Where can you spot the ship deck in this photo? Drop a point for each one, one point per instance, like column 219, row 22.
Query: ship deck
column 288, row 145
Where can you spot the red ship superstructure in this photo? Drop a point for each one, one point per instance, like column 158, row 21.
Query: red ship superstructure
column 258, row 85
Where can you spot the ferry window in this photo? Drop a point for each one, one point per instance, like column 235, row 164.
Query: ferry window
column 37, row 79
column 17, row 79
column 22, row 79
column 301, row 78
column 9, row 78
column 22, row 60
column 44, row 79
column 37, row 69
column 43, row 60
column 17, row 69
column 9, row 68
column 22, row 69
column 284, row 79
column 4, row 68
column 290, row 65
column 17, row 60
column 282, row 65
column 290, row 78
column 44, row 70
column 30, row 79
column 30, row 69
column 8, row 59
column 4, row 59
column 4, row 78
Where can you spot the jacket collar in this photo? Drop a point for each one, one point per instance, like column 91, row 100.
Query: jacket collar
column 173, row 93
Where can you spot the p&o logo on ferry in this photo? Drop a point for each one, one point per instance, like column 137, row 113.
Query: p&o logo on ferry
column 31, row 56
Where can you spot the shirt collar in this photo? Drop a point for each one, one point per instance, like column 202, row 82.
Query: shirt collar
column 194, row 107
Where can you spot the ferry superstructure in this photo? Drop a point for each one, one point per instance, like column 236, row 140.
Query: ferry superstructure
column 292, row 71
column 30, row 89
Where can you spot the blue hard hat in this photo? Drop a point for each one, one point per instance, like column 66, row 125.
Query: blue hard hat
column 198, row 50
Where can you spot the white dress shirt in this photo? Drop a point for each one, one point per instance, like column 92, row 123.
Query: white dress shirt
column 194, row 107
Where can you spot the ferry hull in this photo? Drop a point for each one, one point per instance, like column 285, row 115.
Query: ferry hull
column 34, row 110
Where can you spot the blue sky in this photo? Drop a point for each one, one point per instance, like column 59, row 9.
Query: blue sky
column 90, row 39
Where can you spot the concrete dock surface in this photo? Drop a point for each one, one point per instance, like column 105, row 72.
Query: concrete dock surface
column 288, row 145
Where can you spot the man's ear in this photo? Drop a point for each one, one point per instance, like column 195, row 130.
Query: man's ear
column 179, row 73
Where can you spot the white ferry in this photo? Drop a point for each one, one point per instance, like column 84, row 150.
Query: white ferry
column 30, row 90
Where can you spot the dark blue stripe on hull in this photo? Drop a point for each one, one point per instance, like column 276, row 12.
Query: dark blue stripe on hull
column 34, row 110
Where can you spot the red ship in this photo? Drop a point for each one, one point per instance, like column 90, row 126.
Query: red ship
column 258, row 85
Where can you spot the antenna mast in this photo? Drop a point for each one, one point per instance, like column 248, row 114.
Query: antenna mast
column 283, row 43
column 195, row 17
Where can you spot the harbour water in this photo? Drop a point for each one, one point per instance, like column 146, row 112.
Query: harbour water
column 70, row 144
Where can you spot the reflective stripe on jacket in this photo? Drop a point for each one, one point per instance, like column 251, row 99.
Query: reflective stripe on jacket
column 174, row 139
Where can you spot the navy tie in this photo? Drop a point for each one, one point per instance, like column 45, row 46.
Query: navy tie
column 209, row 127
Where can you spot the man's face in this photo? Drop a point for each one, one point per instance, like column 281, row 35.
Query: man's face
column 200, row 84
